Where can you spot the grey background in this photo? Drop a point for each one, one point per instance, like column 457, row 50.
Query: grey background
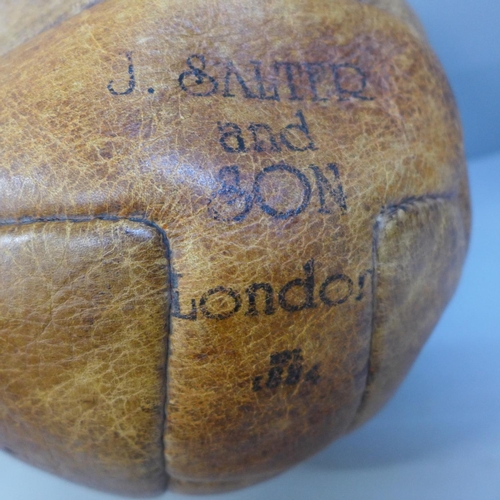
column 439, row 437
column 465, row 35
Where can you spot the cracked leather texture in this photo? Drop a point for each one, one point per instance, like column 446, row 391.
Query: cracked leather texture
column 421, row 242
column 81, row 382
column 306, row 268
column 21, row 20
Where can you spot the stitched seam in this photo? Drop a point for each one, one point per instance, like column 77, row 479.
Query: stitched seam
column 168, row 317
column 387, row 212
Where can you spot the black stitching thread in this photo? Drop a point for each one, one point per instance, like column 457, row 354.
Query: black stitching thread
column 410, row 201
column 168, row 317
column 387, row 212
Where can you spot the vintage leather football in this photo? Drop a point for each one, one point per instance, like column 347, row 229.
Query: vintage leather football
column 226, row 230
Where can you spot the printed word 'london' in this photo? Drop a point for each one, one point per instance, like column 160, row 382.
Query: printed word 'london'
column 299, row 294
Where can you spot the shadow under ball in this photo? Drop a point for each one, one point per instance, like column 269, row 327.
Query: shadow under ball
column 226, row 231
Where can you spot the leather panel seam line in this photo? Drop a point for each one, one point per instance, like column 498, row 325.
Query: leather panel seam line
column 386, row 212
column 168, row 317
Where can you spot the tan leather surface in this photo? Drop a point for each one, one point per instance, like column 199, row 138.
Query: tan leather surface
column 82, row 350
column 21, row 20
column 266, row 139
column 401, row 9
column 422, row 242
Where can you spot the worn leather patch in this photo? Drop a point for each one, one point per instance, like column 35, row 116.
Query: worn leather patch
column 419, row 248
column 20, row 21
column 83, row 318
column 23, row 20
